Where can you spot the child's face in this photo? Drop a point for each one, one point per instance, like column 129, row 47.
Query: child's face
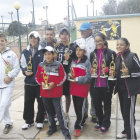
column 3, row 44
column 79, row 52
column 64, row 37
column 99, row 42
column 121, row 46
column 49, row 36
column 48, row 56
column 34, row 41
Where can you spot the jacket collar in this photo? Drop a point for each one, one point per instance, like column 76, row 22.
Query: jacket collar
column 39, row 47
column 83, row 59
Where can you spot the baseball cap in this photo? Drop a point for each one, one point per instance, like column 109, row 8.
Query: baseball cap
column 48, row 49
column 64, row 30
column 34, row 34
column 84, row 26
column 81, row 44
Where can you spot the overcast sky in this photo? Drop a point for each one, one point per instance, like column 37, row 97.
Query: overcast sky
column 57, row 10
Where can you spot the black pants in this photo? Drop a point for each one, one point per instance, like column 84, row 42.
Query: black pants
column 32, row 92
column 80, row 110
column 53, row 105
column 127, row 105
column 102, row 102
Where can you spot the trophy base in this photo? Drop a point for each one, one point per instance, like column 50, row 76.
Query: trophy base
column 111, row 78
column 29, row 71
column 94, row 76
column 104, row 76
column 125, row 76
column 71, row 80
column 65, row 62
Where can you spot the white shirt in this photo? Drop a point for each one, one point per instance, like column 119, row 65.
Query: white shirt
column 90, row 45
column 9, row 57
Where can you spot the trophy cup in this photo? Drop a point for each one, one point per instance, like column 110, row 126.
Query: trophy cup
column 67, row 52
column 8, row 68
column 72, row 74
column 103, row 65
column 94, row 67
column 29, row 65
column 124, row 70
column 112, row 69
column 45, row 78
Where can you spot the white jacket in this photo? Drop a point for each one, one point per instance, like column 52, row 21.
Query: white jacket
column 90, row 45
column 8, row 56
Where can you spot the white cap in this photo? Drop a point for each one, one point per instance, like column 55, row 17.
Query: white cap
column 81, row 43
column 35, row 34
column 49, row 49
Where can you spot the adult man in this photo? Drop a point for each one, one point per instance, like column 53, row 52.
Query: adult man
column 49, row 38
column 86, row 36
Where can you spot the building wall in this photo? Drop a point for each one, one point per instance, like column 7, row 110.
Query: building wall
column 130, row 28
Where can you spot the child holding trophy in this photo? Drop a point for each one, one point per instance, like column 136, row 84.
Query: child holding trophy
column 127, row 86
column 101, row 89
column 66, row 51
column 9, row 69
column 51, row 76
column 80, row 79
column 30, row 58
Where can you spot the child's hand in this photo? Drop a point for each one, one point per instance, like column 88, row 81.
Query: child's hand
column 7, row 80
column 43, row 85
column 51, row 85
column 28, row 73
column 67, row 56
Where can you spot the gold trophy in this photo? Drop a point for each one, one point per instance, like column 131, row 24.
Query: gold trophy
column 8, row 68
column 103, row 65
column 72, row 74
column 45, row 78
column 94, row 67
column 29, row 65
column 124, row 70
column 112, row 70
column 67, row 52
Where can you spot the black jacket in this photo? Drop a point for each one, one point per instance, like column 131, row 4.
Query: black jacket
column 61, row 49
column 108, row 58
column 133, row 64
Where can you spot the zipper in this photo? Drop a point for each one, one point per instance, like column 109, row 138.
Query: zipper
column 99, row 68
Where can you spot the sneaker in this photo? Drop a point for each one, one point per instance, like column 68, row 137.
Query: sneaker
column 121, row 136
column 103, row 129
column 67, row 137
column 7, row 128
column 97, row 127
column 50, row 132
column 39, row 125
column 94, row 119
column 26, row 126
column 78, row 132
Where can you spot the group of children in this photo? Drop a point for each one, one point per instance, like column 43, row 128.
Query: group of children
column 51, row 72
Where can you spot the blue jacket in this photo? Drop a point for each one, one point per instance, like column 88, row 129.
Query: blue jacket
column 35, row 60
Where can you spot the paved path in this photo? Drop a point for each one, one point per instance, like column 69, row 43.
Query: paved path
column 88, row 132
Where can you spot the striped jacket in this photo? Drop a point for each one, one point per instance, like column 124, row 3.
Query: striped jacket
column 133, row 64
column 56, row 74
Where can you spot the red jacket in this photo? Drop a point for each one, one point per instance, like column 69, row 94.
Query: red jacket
column 56, row 74
column 83, row 78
